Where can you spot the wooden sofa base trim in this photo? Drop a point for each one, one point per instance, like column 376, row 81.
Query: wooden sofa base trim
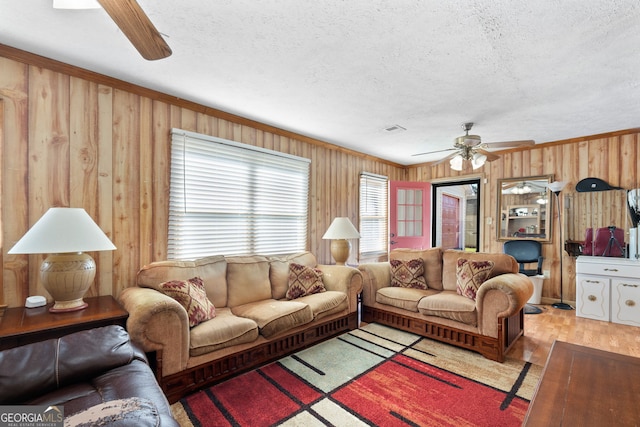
column 509, row 329
column 178, row 385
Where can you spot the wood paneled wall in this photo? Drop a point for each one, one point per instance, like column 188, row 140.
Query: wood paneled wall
column 613, row 157
column 70, row 137
column 74, row 138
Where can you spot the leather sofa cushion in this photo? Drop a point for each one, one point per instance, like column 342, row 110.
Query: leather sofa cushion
column 432, row 259
column 502, row 263
column 450, row 305
column 212, row 270
column 325, row 303
column 48, row 365
column 133, row 380
column 404, row 298
column 279, row 272
column 224, row 330
column 274, row 317
column 248, row 280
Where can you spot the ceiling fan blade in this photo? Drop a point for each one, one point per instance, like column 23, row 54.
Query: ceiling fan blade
column 432, row 152
column 445, row 159
column 509, row 144
column 490, row 156
column 136, row 25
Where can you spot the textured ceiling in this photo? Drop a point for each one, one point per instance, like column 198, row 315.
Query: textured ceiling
column 343, row 70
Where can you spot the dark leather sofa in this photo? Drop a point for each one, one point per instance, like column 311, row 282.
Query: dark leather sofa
column 84, row 370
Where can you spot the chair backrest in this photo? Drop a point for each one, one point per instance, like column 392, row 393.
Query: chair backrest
column 525, row 252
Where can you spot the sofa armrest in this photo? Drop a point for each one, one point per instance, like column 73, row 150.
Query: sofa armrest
column 158, row 323
column 500, row 297
column 345, row 279
column 376, row 275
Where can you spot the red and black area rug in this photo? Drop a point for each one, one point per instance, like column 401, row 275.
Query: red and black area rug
column 373, row 376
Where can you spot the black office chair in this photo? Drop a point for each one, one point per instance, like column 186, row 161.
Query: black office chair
column 526, row 252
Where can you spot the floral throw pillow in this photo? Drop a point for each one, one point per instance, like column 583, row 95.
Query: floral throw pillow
column 470, row 275
column 193, row 297
column 304, row 281
column 408, row 274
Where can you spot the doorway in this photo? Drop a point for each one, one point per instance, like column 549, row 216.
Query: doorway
column 456, row 215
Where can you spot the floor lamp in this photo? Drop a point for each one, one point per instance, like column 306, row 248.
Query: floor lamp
column 556, row 187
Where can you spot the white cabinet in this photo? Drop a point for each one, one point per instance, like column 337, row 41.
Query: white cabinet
column 608, row 289
column 625, row 301
column 592, row 297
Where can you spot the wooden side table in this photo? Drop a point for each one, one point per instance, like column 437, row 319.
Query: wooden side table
column 21, row 325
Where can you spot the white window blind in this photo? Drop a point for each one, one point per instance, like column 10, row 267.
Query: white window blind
column 230, row 198
column 373, row 214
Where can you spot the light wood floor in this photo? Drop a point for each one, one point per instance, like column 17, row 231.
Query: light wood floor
column 540, row 330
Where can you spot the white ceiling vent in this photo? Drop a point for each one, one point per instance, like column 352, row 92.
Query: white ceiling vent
column 394, row 129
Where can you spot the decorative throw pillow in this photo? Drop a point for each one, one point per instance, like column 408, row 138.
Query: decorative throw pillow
column 193, row 297
column 470, row 275
column 304, row 281
column 408, row 274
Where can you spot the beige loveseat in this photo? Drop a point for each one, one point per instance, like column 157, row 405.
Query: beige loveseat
column 489, row 324
column 254, row 321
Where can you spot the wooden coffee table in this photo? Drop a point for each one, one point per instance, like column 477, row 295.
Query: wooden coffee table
column 582, row 386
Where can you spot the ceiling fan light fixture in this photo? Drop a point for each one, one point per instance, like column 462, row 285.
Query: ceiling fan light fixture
column 542, row 200
column 478, row 160
column 456, row 163
column 76, row 4
column 521, row 189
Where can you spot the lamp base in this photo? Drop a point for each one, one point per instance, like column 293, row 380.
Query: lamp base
column 65, row 306
column 562, row 306
column 67, row 277
column 340, row 250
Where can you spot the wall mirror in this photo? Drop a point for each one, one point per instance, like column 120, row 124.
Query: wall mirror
column 594, row 212
column 525, row 208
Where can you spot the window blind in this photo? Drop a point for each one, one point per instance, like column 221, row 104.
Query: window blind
column 230, row 198
column 373, row 214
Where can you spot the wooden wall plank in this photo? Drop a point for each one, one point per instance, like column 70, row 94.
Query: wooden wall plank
column 15, row 148
column 104, row 218
column 126, row 190
column 49, row 155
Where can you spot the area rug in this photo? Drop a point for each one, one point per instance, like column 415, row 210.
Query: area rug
column 375, row 376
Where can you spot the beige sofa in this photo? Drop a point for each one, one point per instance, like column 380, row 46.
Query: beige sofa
column 254, row 322
column 489, row 324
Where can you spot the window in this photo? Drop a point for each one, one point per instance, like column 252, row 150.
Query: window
column 233, row 199
column 373, row 215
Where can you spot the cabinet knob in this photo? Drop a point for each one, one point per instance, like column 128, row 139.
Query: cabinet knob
column 611, row 269
column 592, row 298
column 630, row 285
column 630, row 303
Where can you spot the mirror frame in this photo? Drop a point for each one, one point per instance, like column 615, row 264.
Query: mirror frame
column 503, row 219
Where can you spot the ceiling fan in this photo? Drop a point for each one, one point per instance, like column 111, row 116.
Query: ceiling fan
column 471, row 148
column 136, row 25
column 132, row 21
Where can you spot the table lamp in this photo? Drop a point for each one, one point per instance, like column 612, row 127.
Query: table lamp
column 339, row 231
column 67, row 273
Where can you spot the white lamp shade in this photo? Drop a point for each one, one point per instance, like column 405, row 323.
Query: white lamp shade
column 63, row 230
column 478, row 160
column 557, row 186
column 456, row 163
column 341, row 228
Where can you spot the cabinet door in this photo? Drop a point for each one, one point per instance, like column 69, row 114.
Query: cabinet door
column 625, row 301
column 592, row 297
